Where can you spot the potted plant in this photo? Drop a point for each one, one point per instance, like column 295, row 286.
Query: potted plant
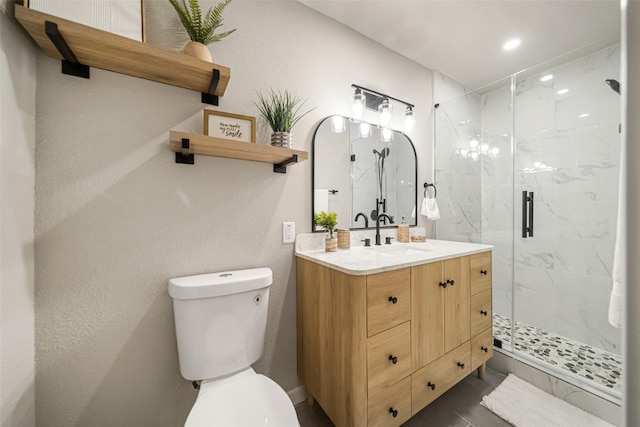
column 281, row 110
column 328, row 221
column 201, row 29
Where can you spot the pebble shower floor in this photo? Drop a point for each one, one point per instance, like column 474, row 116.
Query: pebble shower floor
column 596, row 365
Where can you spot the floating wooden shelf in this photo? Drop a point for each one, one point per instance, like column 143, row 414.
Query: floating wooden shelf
column 217, row 147
column 108, row 51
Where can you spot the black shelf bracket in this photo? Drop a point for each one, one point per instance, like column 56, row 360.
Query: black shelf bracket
column 183, row 156
column 70, row 63
column 282, row 167
column 209, row 97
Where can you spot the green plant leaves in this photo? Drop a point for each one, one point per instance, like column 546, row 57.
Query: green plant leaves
column 281, row 110
column 201, row 30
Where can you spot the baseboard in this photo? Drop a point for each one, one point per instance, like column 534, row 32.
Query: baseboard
column 298, row 394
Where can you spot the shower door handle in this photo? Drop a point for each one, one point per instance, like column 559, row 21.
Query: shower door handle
column 527, row 214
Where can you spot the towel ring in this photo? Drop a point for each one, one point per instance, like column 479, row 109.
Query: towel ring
column 426, row 187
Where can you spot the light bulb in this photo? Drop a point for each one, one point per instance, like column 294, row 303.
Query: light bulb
column 364, row 130
column 484, row 148
column 546, row 78
column 338, row 124
column 473, row 143
column 463, row 153
column 385, row 112
column 495, row 151
column 387, row 135
column 358, row 105
column 409, row 121
column 474, row 155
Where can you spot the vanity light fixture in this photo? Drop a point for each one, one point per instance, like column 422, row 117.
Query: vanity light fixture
column 338, row 124
column 376, row 101
column 384, row 110
column 359, row 103
column 409, row 120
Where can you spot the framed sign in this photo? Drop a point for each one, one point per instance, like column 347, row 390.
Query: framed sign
column 234, row 127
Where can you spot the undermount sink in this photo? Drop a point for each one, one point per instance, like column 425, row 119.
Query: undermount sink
column 402, row 249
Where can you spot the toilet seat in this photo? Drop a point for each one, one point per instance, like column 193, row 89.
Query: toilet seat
column 249, row 401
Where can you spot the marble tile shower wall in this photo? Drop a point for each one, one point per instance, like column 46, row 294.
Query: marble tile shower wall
column 567, row 149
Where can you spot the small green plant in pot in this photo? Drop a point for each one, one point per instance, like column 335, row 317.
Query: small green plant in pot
column 281, row 110
column 201, row 30
column 328, row 221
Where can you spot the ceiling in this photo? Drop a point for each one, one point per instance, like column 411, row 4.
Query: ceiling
column 463, row 38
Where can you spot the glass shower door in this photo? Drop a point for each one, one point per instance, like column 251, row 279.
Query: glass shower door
column 566, row 164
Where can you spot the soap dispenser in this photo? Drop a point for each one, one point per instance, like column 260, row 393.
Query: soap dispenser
column 403, row 232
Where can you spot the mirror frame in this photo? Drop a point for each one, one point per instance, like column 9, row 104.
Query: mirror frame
column 313, row 174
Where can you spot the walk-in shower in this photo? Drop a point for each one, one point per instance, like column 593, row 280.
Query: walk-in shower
column 530, row 165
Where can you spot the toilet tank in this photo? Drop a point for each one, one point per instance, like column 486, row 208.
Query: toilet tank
column 220, row 321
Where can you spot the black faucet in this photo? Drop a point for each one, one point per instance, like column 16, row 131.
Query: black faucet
column 378, row 226
column 366, row 220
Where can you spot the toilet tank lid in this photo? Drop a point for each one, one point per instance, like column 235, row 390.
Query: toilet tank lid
column 220, row 284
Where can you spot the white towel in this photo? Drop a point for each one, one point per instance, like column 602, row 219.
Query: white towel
column 616, row 301
column 430, row 209
column 320, row 201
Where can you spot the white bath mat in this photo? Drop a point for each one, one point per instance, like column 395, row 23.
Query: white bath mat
column 523, row 405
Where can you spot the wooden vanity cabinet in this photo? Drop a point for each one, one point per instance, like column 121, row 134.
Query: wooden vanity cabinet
column 375, row 349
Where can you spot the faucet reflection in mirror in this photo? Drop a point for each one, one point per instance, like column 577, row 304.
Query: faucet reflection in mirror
column 373, row 170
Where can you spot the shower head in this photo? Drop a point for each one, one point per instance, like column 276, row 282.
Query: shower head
column 384, row 153
column 613, row 84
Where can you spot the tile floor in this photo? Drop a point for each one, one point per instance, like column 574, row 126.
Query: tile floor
column 591, row 363
column 458, row 407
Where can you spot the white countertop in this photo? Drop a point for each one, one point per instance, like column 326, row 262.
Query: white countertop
column 361, row 260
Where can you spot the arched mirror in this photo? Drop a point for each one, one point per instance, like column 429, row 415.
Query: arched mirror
column 361, row 170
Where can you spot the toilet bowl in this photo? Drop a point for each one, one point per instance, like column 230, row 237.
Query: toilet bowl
column 220, row 321
column 246, row 399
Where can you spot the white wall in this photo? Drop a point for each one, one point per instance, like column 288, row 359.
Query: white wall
column 631, row 90
column 116, row 217
column 17, row 176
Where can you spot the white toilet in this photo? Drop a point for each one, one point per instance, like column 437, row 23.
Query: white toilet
column 221, row 320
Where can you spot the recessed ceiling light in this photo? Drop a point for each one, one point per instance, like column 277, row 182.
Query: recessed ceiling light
column 546, row 78
column 512, row 44
column 582, row 116
column 562, row 91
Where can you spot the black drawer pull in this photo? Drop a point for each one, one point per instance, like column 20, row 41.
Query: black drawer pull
column 483, row 348
column 451, row 282
column 483, row 312
column 393, row 300
column 393, row 412
column 443, row 284
column 393, row 359
column 431, row 386
column 484, row 272
column 461, row 365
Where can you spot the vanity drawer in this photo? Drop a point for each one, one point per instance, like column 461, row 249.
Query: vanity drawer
column 481, row 314
column 438, row 376
column 388, row 357
column 481, row 348
column 388, row 300
column 393, row 400
column 480, row 272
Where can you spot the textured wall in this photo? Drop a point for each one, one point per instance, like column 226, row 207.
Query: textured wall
column 116, row 217
column 17, row 177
